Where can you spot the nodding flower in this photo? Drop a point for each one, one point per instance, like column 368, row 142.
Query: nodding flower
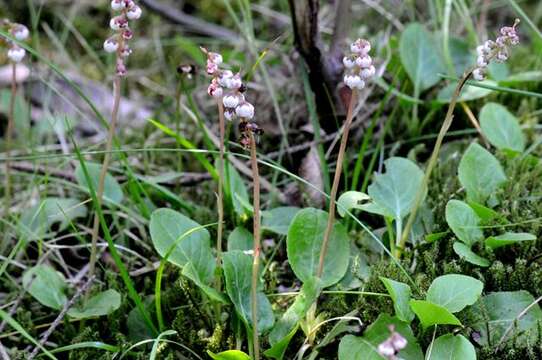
column 359, row 65
column 392, row 345
column 228, row 88
column 20, row 32
column 117, row 43
column 497, row 50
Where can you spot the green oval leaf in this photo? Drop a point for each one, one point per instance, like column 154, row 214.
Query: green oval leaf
column 508, row 238
column 238, row 273
column 365, row 347
column 395, row 191
column 432, row 314
column 101, row 304
column 454, row 291
column 351, row 200
column 278, row 219
column 240, row 239
column 501, row 128
column 495, row 313
column 112, row 190
column 46, row 285
column 400, row 294
column 480, row 173
column 464, row 222
column 466, row 253
column 450, row 347
column 38, row 219
column 183, row 241
column 304, row 241
column 468, row 93
column 420, row 56
column 229, row 355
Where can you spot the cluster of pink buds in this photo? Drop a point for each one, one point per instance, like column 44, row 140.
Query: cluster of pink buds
column 129, row 10
column 20, row 33
column 392, row 345
column 359, row 65
column 498, row 50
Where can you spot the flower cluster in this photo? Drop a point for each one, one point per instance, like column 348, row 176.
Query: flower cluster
column 228, row 88
column 359, row 65
column 129, row 10
column 20, row 33
column 392, row 345
column 498, row 50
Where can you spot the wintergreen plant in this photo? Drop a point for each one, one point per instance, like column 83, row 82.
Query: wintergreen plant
column 359, row 68
column 508, row 37
column 125, row 11
column 15, row 54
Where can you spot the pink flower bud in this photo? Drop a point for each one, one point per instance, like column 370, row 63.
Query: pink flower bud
column 215, row 58
column 481, row 61
column 229, row 114
column 348, row 62
column 230, row 101
column 364, row 61
column 134, row 13
column 225, row 78
column 478, row 74
column 121, row 69
column 361, row 47
column 127, row 34
column 235, row 82
column 16, row 54
column 245, row 110
column 117, row 5
column 20, row 32
column 214, row 90
column 386, row 349
column 118, row 22
column 111, row 45
column 125, row 51
column 368, row 73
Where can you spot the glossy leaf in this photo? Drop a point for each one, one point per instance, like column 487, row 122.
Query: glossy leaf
column 46, row 285
column 112, row 190
column 364, row 347
column 304, row 241
column 400, row 294
column 351, row 200
column 454, row 291
column 468, row 93
column 240, row 239
column 182, row 240
column 466, row 253
column 480, row 173
column 452, row 347
column 395, row 191
column 495, row 313
column 229, row 355
column 100, row 304
column 238, row 273
column 420, row 56
column 464, row 222
column 432, row 314
column 508, row 238
column 38, row 219
column 501, row 128
column 278, row 219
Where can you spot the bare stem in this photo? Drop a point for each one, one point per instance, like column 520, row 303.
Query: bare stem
column 220, row 192
column 9, row 135
column 103, row 172
column 432, row 161
column 336, row 180
column 256, row 259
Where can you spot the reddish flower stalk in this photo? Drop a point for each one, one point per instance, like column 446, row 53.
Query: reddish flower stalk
column 15, row 55
column 116, row 44
column 360, row 68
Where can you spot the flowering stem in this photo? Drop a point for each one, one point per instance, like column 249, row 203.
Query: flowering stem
column 220, row 193
column 432, row 162
column 336, row 180
column 103, row 172
column 9, row 131
column 256, row 258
